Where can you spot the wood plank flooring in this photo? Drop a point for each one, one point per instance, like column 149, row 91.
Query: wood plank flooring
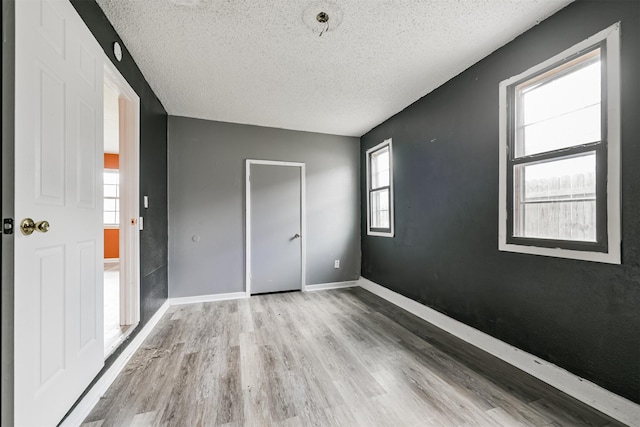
column 113, row 331
column 330, row 358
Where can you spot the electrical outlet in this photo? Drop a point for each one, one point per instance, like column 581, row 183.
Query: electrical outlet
column 336, row 264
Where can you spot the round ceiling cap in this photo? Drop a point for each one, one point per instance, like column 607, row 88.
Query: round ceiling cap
column 322, row 16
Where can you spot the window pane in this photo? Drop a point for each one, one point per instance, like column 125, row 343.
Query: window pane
column 556, row 199
column 562, row 111
column 380, row 168
column 109, row 205
column 110, row 191
column 110, row 177
column 570, row 92
column 110, row 218
column 380, row 209
column 578, row 127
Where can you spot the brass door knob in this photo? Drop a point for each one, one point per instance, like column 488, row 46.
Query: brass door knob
column 42, row 226
column 28, row 226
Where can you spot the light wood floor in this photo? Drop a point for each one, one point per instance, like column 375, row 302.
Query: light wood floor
column 113, row 331
column 330, row 358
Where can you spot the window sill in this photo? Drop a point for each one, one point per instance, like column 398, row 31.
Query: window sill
column 380, row 233
column 611, row 257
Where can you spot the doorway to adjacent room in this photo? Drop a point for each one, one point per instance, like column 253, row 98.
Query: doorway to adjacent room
column 120, row 210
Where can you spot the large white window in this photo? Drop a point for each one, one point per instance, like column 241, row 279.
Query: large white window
column 380, row 190
column 111, row 197
column 559, row 157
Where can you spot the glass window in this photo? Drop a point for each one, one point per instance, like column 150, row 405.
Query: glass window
column 560, row 195
column 380, row 191
column 111, row 179
column 562, row 108
column 556, row 199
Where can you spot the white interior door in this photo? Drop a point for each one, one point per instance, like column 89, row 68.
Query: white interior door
column 58, row 166
column 275, row 226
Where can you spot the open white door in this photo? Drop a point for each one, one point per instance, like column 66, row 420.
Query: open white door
column 58, row 167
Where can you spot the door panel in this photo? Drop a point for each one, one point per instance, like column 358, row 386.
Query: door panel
column 87, row 296
column 58, row 161
column 86, row 171
column 50, row 299
column 50, row 137
column 276, row 254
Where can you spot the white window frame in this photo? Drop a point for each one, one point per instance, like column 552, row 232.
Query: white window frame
column 611, row 37
column 110, row 225
column 390, row 233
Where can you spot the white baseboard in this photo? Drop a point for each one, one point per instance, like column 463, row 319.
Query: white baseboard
column 592, row 394
column 208, row 298
column 332, row 285
column 89, row 401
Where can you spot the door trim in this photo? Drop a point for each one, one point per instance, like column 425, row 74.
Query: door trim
column 247, row 220
column 129, row 124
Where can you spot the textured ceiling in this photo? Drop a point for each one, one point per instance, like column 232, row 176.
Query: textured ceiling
column 265, row 63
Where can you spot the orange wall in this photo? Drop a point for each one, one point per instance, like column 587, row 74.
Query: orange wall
column 111, row 243
column 111, row 161
column 111, row 235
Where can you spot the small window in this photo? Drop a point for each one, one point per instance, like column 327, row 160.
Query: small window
column 559, row 163
column 380, row 190
column 111, row 197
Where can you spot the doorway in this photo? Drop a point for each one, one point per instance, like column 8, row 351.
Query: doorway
column 120, row 210
column 275, row 226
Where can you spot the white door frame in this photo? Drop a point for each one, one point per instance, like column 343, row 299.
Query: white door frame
column 129, row 155
column 247, row 220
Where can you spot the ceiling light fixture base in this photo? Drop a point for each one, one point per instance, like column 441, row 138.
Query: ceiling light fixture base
column 322, row 16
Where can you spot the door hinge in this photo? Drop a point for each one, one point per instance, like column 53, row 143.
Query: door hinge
column 7, row 226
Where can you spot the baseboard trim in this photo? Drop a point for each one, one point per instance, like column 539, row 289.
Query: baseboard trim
column 83, row 409
column 208, row 298
column 331, row 285
column 592, row 394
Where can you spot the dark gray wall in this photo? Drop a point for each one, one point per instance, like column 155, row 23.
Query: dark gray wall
column 153, row 172
column 206, row 187
column 582, row 316
column 6, row 250
column 153, row 164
